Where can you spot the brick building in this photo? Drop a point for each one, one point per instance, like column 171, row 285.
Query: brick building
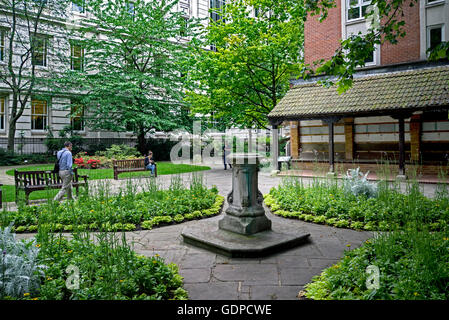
column 397, row 108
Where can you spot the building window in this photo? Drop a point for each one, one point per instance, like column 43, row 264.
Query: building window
column 434, row 36
column 78, row 6
column 77, row 116
column 357, row 9
column 40, row 47
column 184, row 22
column 214, row 15
column 2, row 113
column 216, row 4
column 39, row 114
column 76, row 57
column 2, row 45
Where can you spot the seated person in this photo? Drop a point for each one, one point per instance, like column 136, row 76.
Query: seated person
column 149, row 162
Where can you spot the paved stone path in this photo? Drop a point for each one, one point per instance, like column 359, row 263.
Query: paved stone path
column 211, row 276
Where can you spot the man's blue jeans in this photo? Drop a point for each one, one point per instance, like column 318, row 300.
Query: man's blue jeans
column 151, row 167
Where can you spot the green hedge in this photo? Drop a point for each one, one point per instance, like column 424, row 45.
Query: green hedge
column 330, row 204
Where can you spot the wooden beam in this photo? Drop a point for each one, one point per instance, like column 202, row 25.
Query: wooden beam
column 415, row 137
column 330, row 122
column 349, row 138
column 295, row 139
column 401, row 147
column 275, row 147
column 331, row 148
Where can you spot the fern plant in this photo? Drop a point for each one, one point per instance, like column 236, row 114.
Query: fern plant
column 20, row 271
column 356, row 182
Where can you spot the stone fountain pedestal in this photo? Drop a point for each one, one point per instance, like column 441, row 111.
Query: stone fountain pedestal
column 245, row 230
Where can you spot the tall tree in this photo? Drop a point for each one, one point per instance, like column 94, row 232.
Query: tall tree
column 132, row 77
column 256, row 45
column 27, row 49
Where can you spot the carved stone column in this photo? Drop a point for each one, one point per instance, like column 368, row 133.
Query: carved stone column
column 245, row 213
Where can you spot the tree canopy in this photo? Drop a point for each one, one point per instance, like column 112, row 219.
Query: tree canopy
column 132, row 77
column 250, row 53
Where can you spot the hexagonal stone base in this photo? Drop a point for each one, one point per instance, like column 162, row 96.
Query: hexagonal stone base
column 245, row 225
column 236, row 245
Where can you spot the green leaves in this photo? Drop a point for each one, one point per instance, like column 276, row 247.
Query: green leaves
column 135, row 57
column 249, row 71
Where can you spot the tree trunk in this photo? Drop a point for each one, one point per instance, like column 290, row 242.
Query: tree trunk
column 141, row 142
column 11, row 134
column 12, row 123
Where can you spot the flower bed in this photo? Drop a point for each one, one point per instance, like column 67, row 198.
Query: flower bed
column 330, row 204
column 411, row 265
column 85, row 163
column 126, row 211
column 78, row 269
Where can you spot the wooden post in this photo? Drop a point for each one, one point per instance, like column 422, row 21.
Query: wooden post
column 330, row 122
column 349, row 138
column 331, row 147
column 294, row 139
column 415, row 137
column 401, row 147
column 275, row 147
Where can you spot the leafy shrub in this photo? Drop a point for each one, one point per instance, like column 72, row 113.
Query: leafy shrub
column 412, row 266
column 391, row 209
column 9, row 159
column 356, row 182
column 109, row 270
column 20, row 270
column 118, row 152
column 118, row 212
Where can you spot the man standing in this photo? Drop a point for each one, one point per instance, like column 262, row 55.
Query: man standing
column 64, row 157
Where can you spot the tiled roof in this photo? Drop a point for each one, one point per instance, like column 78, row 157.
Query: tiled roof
column 381, row 93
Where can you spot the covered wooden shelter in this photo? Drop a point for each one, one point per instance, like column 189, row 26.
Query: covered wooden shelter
column 396, row 92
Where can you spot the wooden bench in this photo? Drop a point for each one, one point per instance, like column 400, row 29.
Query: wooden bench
column 130, row 165
column 29, row 181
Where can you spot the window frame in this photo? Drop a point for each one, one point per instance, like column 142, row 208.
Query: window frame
column 44, row 115
column 433, row 27
column 434, row 2
column 73, row 58
column 73, row 109
column 216, row 4
column 360, row 5
column 183, row 28
column 3, row 105
column 2, row 45
column 44, row 51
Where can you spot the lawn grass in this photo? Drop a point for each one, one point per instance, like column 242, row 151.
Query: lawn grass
column 94, row 174
column 163, row 168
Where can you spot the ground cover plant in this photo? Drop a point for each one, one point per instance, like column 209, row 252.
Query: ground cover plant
column 413, row 265
column 129, row 209
column 80, row 269
column 326, row 201
column 411, row 251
